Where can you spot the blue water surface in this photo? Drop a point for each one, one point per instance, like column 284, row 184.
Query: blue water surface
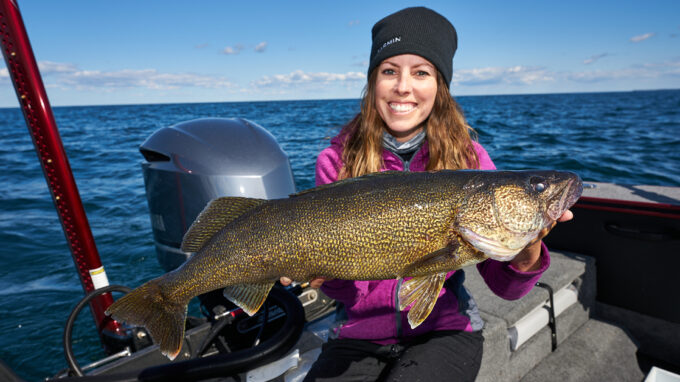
column 629, row 138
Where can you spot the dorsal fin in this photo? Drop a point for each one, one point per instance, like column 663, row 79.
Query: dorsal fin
column 215, row 216
column 372, row 175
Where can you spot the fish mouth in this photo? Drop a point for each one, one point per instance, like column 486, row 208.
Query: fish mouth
column 565, row 198
column 489, row 247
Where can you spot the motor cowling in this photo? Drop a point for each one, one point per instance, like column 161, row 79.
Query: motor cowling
column 191, row 163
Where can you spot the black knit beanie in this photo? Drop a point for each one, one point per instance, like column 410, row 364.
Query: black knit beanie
column 419, row 31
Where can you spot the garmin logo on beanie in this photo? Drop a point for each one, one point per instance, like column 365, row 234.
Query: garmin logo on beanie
column 390, row 42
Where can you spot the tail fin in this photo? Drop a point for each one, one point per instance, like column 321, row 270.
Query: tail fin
column 147, row 306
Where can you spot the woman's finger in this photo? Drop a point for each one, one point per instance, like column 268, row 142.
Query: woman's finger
column 566, row 216
column 316, row 283
column 285, row 281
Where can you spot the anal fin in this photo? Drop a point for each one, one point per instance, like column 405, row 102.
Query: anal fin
column 248, row 297
column 422, row 292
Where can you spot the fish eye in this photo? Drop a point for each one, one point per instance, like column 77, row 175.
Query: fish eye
column 538, row 184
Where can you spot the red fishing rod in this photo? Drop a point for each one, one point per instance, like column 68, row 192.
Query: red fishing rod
column 33, row 101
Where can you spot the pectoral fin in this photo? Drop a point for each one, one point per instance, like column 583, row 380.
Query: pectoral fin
column 248, row 297
column 422, row 292
column 432, row 262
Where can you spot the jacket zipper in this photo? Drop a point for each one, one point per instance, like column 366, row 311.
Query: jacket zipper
column 397, row 312
column 407, row 163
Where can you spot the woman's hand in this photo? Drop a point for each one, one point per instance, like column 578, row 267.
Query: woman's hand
column 315, row 283
column 566, row 216
column 530, row 257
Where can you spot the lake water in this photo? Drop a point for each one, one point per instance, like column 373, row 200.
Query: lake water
column 629, row 138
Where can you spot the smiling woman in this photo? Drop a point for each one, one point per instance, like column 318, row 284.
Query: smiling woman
column 405, row 91
column 410, row 122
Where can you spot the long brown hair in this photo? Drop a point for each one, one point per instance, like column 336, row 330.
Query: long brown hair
column 448, row 135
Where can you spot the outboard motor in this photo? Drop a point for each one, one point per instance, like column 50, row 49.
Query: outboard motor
column 189, row 164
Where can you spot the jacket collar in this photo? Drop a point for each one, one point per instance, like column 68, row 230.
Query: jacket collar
column 391, row 161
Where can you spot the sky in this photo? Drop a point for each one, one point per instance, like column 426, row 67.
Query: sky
column 152, row 51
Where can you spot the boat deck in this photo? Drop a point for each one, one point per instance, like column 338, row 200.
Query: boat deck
column 633, row 193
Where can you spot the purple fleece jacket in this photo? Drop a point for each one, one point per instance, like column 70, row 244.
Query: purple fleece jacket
column 371, row 306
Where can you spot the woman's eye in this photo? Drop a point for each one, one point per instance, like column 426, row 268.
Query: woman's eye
column 388, row 72
column 422, row 73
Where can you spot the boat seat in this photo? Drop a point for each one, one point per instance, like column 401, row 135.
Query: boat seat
column 499, row 361
column 607, row 345
column 516, row 334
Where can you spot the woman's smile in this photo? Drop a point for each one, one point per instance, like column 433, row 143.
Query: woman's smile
column 402, row 108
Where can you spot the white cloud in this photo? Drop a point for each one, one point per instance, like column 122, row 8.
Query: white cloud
column 236, row 49
column 525, row 75
column 298, row 78
column 515, row 75
column 641, row 37
column 261, row 47
column 148, row 78
column 650, row 70
column 594, row 58
column 49, row 67
column 69, row 76
column 353, row 23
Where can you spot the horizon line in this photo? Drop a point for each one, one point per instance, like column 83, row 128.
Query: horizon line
column 347, row 99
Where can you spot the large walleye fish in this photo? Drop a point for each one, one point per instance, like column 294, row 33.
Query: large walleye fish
column 379, row 226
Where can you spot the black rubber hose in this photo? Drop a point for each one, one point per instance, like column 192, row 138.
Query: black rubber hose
column 265, row 319
column 237, row 362
column 68, row 328
column 214, row 332
column 218, row 365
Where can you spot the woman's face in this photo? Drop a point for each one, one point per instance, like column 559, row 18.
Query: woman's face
column 406, row 87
